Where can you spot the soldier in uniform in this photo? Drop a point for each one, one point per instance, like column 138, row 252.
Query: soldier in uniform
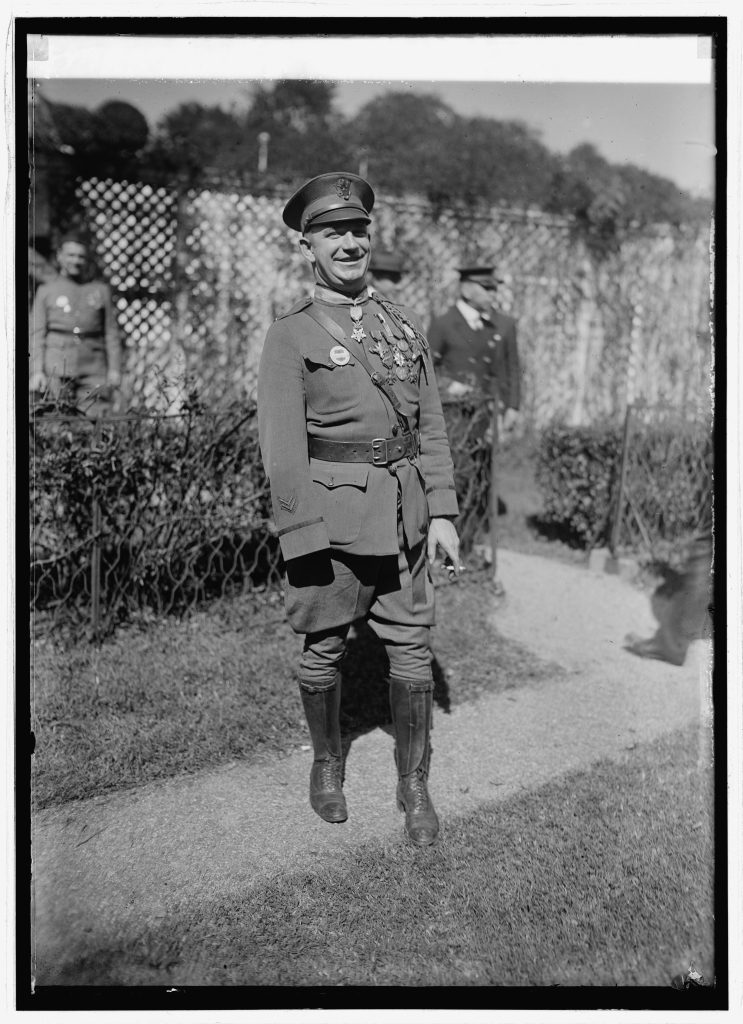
column 75, row 346
column 354, row 446
column 385, row 272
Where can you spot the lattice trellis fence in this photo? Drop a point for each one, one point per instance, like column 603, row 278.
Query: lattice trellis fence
column 200, row 276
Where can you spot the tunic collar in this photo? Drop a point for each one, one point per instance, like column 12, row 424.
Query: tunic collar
column 332, row 298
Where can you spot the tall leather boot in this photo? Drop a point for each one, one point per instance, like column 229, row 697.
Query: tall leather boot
column 322, row 710
column 411, row 703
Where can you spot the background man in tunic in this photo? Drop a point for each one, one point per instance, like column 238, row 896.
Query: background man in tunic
column 75, row 345
column 354, row 445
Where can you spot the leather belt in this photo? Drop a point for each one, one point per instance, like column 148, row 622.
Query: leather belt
column 76, row 332
column 379, row 452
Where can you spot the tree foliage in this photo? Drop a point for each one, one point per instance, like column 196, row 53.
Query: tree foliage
column 405, row 142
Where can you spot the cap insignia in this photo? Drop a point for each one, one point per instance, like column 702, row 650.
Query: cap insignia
column 343, row 188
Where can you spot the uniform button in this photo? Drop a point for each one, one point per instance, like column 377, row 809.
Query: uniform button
column 75, row 330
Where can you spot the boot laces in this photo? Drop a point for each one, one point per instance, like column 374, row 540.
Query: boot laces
column 418, row 790
column 329, row 775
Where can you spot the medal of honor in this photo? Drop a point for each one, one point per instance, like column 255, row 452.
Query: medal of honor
column 340, row 355
column 401, row 372
column 358, row 333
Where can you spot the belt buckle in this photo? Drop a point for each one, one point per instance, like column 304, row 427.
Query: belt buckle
column 379, row 444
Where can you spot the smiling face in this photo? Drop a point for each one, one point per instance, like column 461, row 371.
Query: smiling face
column 339, row 254
column 72, row 258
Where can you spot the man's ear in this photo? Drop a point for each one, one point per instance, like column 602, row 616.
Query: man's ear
column 305, row 247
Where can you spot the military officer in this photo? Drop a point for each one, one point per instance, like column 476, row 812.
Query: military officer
column 474, row 344
column 353, row 442
column 385, row 272
column 475, row 353
column 75, row 347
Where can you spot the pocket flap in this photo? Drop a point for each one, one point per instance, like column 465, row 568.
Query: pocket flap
column 340, row 474
column 319, row 352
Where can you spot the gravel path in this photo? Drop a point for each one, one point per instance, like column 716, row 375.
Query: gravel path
column 105, row 868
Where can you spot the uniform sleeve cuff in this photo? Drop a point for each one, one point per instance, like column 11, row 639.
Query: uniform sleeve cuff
column 303, row 540
column 442, row 503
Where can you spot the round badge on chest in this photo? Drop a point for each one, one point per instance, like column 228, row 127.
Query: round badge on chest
column 340, row 355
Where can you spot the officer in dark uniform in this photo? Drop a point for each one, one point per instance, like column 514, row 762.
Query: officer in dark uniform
column 476, row 357
column 75, row 346
column 385, row 272
column 474, row 344
column 353, row 442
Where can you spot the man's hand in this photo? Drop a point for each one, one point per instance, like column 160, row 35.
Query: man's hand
column 441, row 533
column 37, row 382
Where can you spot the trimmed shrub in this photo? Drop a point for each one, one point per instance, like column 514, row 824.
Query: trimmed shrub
column 577, row 468
column 668, row 484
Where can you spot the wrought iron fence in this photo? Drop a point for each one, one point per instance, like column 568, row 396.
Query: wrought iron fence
column 142, row 516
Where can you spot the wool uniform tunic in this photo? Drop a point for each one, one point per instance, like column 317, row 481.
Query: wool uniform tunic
column 306, row 388
column 73, row 330
column 487, row 358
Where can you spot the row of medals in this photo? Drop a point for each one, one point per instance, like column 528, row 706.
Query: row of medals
column 399, row 355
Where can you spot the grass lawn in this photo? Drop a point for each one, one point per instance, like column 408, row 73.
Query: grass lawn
column 601, row 878
column 219, row 686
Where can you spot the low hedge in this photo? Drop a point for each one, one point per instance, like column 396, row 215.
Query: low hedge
column 577, row 471
column 176, row 509
column 668, row 484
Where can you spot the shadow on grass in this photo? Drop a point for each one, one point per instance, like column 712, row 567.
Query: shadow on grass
column 365, row 703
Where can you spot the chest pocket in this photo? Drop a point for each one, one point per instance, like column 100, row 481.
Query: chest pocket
column 330, row 388
column 341, row 488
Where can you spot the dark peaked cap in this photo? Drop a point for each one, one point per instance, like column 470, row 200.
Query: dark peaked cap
column 478, row 273
column 337, row 195
column 386, row 262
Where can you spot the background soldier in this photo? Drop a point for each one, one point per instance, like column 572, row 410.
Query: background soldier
column 385, row 272
column 354, row 445
column 75, row 346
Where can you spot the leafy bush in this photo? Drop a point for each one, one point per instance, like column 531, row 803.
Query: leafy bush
column 576, row 471
column 175, row 508
column 668, row 484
